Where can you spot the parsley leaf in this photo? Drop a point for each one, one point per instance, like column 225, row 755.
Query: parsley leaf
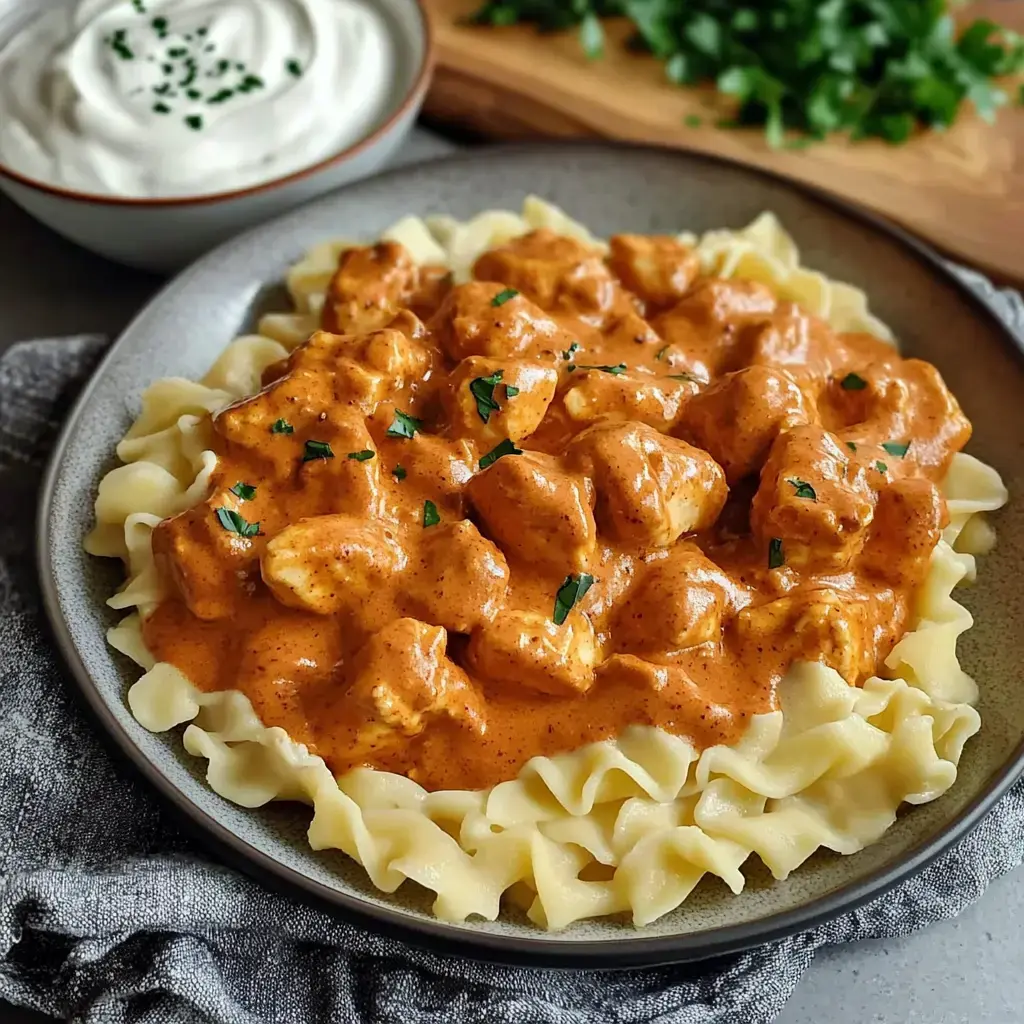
column 482, row 389
column 505, row 447
column 851, row 446
column 896, row 448
column 234, row 523
column 361, row 456
column 244, row 491
column 404, row 425
column 881, row 467
column 317, row 450
column 660, row 354
column 803, row 489
column 282, row 427
column 574, row 347
column 570, row 593
column 853, row 382
column 399, row 473
column 503, row 296
column 614, row 370
column 431, row 517
column 685, row 376
column 775, row 555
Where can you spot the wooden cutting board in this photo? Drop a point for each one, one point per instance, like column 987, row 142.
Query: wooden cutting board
column 963, row 190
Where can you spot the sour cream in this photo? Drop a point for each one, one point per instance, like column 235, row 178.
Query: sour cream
column 161, row 98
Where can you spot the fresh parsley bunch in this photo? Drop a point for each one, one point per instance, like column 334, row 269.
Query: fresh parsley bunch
column 863, row 67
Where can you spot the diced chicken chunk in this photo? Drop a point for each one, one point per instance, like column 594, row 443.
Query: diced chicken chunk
column 651, row 488
column 526, row 649
column 481, row 319
column 658, row 268
column 679, row 602
column 402, row 678
column 792, row 340
column 491, row 399
column 537, row 511
column 556, row 272
column 595, row 395
column 432, row 469
column 369, row 287
column 813, row 498
column 716, row 300
column 329, row 564
column 737, row 418
column 456, row 579
column 908, row 521
column 340, row 484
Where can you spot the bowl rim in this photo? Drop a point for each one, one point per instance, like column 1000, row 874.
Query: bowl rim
column 634, row 949
column 408, row 100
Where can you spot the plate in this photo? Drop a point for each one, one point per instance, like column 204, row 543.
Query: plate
column 610, row 188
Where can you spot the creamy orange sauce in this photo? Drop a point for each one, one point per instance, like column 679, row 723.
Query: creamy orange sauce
column 745, row 487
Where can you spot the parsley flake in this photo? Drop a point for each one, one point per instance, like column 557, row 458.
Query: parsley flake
column 853, row 382
column 505, row 447
column 234, row 523
column 881, row 467
column 896, row 448
column 503, row 296
column 361, row 456
column 660, row 354
column 317, row 450
column 614, row 370
column 851, row 446
column 282, row 427
column 431, row 517
column 399, row 472
column 511, row 391
column 404, row 425
column 482, row 389
column 293, row 67
column 803, row 489
column 685, row 376
column 244, row 491
column 567, row 354
column 775, row 555
column 570, row 593
column 194, row 121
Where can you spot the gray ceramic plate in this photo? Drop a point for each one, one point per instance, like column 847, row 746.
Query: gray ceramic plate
column 611, row 189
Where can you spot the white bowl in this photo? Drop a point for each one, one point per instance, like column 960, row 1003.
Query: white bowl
column 165, row 234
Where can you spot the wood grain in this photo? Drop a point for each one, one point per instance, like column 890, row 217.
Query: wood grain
column 963, row 190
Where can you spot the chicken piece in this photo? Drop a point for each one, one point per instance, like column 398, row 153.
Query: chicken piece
column 651, row 489
column 556, row 272
column 526, row 649
column 369, row 287
column 434, row 283
column 335, row 563
column 595, row 395
column 491, row 399
column 207, row 564
column 848, row 632
column 537, row 511
column 792, row 340
column 402, row 678
column 909, row 518
column 657, row 268
column 456, row 579
column 340, row 483
column 814, row 499
column 629, row 328
column 433, row 468
column 679, row 602
column 715, row 300
column 470, row 324
column 737, row 418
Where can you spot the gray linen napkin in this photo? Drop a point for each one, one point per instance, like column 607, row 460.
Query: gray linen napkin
column 109, row 914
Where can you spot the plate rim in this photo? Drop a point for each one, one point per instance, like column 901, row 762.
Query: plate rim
column 633, row 949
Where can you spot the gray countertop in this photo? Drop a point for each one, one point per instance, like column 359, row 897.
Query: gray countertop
column 968, row 970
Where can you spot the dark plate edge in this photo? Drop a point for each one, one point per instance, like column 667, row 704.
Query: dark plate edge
column 633, row 950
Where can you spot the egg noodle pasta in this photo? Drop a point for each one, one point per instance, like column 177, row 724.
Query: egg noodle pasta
column 626, row 825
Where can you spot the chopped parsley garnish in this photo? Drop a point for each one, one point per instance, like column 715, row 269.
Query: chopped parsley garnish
column 482, row 389
column 685, row 376
column 851, row 446
column 863, row 68
column 503, row 296
column 399, row 473
column 404, row 425
column 250, row 82
column 194, row 121
column 293, row 67
column 282, row 427
column 161, row 108
column 430, row 514
column 234, row 523
column 511, row 391
column 160, row 27
column 660, row 354
column 317, row 450
column 853, row 382
column 881, row 467
column 896, row 448
column 775, row 555
column 693, row 121
column 505, row 447
column 803, row 489
column 614, row 370
column 361, row 456
column 118, row 42
column 220, row 96
column 244, row 491
column 570, row 593
column 574, row 347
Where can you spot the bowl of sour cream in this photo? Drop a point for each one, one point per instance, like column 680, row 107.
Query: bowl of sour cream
column 151, row 130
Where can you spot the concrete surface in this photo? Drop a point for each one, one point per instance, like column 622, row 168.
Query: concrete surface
column 969, row 970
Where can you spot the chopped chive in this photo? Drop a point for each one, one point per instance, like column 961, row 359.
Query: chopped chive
column 234, row 523
column 505, row 447
column 614, row 370
column 244, row 491
column 430, row 514
column 570, row 593
column 503, row 296
column 775, row 555
column 282, row 427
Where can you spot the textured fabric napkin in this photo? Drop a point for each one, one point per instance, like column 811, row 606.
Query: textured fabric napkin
column 108, row 913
